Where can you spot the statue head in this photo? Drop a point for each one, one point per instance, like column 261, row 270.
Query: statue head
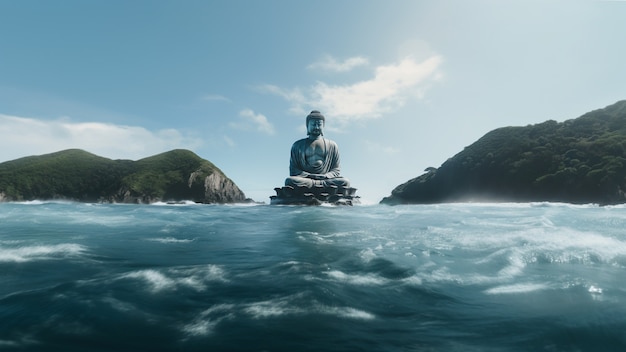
column 315, row 124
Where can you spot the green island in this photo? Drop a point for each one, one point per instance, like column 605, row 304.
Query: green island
column 577, row 161
column 76, row 175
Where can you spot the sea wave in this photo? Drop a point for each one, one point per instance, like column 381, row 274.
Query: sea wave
column 295, row 305
column 196, row 278
column 171, row 240
column 41, row 252
column 47, row 201
column 206, row 322
column 517, row 288
column 364, row 280
column 285, row 278
column 292, row 305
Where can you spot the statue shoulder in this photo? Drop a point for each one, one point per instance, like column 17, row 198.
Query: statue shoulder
column 331, row 143
column 300, row 143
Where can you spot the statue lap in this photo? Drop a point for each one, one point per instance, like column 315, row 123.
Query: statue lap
column 298, row 181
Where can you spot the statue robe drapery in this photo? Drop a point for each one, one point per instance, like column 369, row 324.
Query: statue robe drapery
column 298, row 165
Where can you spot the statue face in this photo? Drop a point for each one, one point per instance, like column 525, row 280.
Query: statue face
column 315, row 127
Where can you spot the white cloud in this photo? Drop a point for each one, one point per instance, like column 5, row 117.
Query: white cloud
column 386, row 91
column 389, row 88
column 28, row 136
column 252, row 120
column 329, row 63
column 294, row 96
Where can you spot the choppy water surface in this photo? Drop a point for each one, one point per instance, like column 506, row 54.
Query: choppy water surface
column 452, row 277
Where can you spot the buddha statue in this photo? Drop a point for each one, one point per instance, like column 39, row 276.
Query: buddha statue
column 314, row 160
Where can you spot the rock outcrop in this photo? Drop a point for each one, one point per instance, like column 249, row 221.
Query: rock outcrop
column 220, row 189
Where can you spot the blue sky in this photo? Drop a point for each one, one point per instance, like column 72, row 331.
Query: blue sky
column 404, row 85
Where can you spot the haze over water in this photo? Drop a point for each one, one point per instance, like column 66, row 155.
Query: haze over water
column 450, row 277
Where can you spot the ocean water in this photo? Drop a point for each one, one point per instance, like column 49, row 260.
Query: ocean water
column 449, row 277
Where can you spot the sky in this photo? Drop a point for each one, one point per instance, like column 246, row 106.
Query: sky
column 404, row 85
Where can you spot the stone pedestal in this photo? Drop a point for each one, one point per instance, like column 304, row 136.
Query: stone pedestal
column 318, row 195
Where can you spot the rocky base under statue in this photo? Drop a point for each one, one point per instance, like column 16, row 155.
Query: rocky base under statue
column 333, row 195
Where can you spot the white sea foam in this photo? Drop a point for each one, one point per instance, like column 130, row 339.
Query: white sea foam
column 365, row 280
column 40, row 202
column 367, row 255
column 514, row 252
column 206, row 321
column 180, row 203
column 308, row 233
column 292, row 305
column 41, row 252
column 531, row 243
column 315, row 236
column 594, row 289
column 517, row 288
column 171, row 240
column 200, row 327
column 516, row 266
column 10, row 242
column 443, row 274
column 155, row 279
column 348, row 312
column 413, row 280
column 271, row 308
column 296, row 267
column 196, row 278
column 199, row 276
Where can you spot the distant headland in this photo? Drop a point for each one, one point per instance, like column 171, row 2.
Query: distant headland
column 76, row 175
column 582, row 160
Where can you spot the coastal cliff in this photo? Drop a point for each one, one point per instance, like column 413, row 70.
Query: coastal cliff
column 581, row 160
column 76, row 175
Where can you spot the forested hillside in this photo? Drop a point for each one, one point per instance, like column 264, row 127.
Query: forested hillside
column 579, row 161
column 81, row 176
